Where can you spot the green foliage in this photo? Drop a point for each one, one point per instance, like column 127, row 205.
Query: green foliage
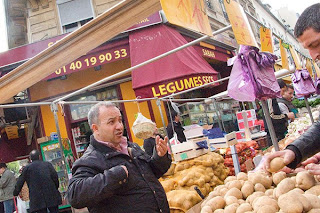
column 301, row 103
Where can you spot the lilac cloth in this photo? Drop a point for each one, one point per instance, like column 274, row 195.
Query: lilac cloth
column 302, row 83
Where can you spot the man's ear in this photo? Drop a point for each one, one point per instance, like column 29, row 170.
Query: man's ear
column 94, row 127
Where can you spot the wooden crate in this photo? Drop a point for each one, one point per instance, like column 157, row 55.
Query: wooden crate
column 189, row 154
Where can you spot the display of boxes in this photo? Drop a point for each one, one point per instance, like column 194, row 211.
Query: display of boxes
column 217, row 143
column 193, row 131
column 189, row 149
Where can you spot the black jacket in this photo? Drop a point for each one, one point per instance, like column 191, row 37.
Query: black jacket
column 178, row 129
column 101, row 184
column 306, row 145
column 148, row 145
column 43, row 184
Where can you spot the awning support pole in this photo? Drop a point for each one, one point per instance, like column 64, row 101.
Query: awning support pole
column 54, row 109
column 270, row 125
column 308, row 108
column 163, row 123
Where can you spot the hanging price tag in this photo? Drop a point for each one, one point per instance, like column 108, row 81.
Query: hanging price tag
column 295, row 57
column 284, row 56
column 309, row 67
column 240, row 24
column 266, row 40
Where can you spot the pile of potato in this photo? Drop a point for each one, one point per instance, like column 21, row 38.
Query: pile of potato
column 261, row 193
column 205, row 172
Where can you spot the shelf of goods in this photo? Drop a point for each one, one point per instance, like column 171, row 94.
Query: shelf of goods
column 261, row 192
column 205, row 172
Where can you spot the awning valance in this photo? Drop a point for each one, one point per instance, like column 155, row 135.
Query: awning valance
column 177, row 72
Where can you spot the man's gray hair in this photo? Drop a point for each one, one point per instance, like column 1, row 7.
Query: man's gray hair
column 93, row 114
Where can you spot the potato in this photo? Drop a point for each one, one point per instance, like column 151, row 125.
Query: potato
column 284, row 186
column 314, row 211
column 276, row 164
column 234, row 192
column 241, row 201
column 223, row 191
column 314, row 200
column 216, row 203
column 231, row 208
column 300, row 191
column 259, row 187
column 278, row 177
column 230, row 200
column 242, row 176
column 293, row 202
column 267, row 209
column 205, row 209
column 230, row 178
column 247, row 189
column 234, row 184
column 244, row 208
column 252, row 197
column 211, row 195
column 304, row 180
column 314, row 190
column 219, row 211
column 269, row 192
column 264, row 201
column 260, row 177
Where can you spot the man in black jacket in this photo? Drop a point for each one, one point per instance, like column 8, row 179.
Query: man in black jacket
column 115, row 175
column 307, row 30
column 176, row 127
column 43, row 184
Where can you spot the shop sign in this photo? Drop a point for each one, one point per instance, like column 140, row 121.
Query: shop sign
column 92, row 60
column 179, row 85
column 222, row 55
column 51, row 147
column 151, row 20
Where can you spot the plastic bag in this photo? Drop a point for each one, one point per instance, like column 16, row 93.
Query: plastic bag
column 317, row 85
column 21, row 205
column 302, row 83
column 252, row 76
column 143, row 127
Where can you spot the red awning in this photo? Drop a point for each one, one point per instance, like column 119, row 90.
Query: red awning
column 177, row 72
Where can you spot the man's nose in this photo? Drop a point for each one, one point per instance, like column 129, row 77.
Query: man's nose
column 315, row 54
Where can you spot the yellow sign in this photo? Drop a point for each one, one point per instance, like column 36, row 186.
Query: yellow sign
column 317, row 69
column 284, row 57
column 295, row 57
column 266, row 40
column 187, row 13
column 309, row 67
column 240, row 24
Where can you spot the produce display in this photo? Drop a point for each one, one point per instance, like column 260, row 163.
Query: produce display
column 263, row 193
column 204, row 172
column 245, row 150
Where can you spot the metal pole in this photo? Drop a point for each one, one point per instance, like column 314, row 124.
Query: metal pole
column 308, row 108
column 235, row 159
column 163, row 123
column 270, row 125
column 54, row 109
column 119, row 74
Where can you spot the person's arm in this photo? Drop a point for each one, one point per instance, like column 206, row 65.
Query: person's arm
column 88, row 187
column 54, row 175
column 306, row 145
column 161, row 160
column 148, row 146
column 4, row 180
column 21, row 180
column 283, row 108
column 170, row 131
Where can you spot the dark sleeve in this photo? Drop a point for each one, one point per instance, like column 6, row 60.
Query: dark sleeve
column 160, row 165
column 88, row 187
column 170, row 131
column 54, row 175
column 306, row 145
column 149, row 145
column 20, row 182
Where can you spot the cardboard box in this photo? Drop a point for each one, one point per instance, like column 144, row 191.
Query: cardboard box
column 189, row 154
column 193, row 131
column 43, row 139
column 195, row 209
column 191, row 144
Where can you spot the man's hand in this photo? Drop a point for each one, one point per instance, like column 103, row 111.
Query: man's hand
column 287, row 155
column 290, row 115
column 161, row 145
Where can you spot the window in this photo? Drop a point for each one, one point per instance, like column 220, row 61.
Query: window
column 74, row 13
column 209, row 4
column 224, row 10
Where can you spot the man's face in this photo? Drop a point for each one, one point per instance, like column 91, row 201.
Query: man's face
column 310, row 39
column 288, row 95
column 2, row 170
column 110, row 128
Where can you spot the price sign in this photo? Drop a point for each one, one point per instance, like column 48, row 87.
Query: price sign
column 266, row 40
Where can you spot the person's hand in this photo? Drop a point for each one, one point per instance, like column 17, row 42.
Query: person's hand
column 125, row 169
column 287, row 155
column 313, row 169
column 161, row 145
column 290, row 115
column 313, row 159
